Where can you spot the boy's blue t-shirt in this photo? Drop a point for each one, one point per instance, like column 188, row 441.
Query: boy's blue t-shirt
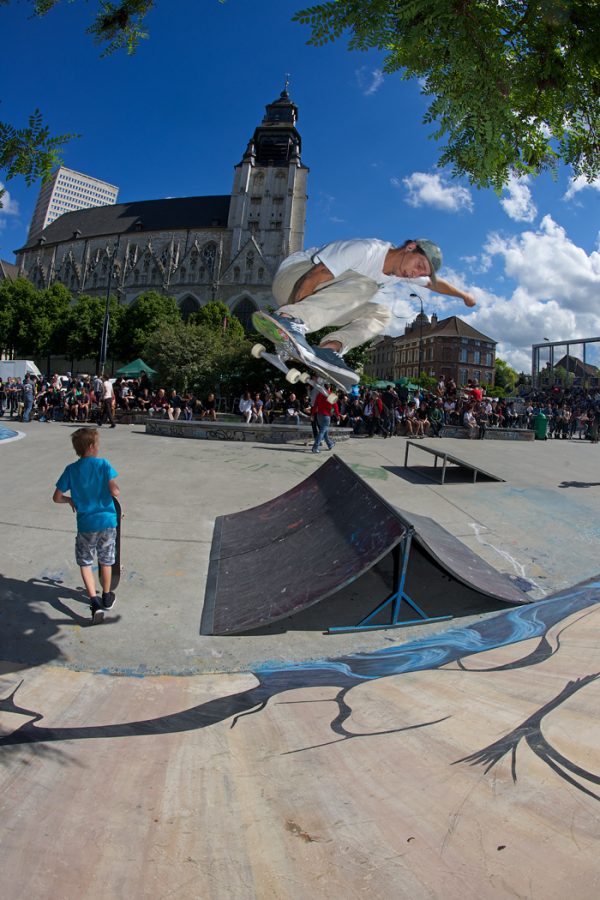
column 87, row 480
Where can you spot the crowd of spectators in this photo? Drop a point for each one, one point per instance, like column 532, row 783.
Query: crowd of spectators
column 396, row 411
column 79, row 398
column 392, row 411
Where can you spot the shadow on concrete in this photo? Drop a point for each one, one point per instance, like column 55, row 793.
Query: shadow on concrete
column 429, row 474
column 436, row 592
column 579, row 484
column 29, row 633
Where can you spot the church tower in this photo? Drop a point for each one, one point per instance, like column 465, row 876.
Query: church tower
column 267, row 213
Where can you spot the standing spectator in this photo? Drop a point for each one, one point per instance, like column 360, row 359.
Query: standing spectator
column 322, row 411
column 28, row 398
column 107, row 403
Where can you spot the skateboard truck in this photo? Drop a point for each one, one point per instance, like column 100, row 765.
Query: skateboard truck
column 293, row 375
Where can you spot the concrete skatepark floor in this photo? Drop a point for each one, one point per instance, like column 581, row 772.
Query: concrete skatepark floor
column 178, row 765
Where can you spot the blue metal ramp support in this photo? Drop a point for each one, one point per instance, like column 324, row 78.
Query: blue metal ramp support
column 401, row 556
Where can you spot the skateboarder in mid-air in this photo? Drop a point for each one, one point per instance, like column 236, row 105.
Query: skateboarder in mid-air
column 92, row 486
column 352, row 284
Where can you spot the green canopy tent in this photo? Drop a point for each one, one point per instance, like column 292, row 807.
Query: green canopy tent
column 135, row 369
column 383, row 384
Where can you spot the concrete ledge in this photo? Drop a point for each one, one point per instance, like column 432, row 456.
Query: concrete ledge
column 491, row 434
column 239, row 431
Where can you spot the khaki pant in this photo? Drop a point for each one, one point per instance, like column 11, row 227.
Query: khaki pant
column 345, row 301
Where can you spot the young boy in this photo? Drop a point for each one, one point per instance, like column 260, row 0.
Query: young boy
column 92, row 486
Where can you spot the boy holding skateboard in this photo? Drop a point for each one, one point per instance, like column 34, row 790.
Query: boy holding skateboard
column 352, row 284
column 92, row 486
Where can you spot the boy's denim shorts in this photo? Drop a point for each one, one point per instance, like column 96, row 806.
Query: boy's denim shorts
column 96, row 543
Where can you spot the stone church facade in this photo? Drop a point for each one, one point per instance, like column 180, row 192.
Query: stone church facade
column 195, row 249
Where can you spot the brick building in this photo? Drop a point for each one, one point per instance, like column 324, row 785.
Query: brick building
column 449, row 347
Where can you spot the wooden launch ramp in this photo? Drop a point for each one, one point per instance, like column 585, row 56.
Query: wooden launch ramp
column 275, row 560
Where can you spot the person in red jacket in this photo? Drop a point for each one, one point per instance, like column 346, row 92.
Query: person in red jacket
column 322, row 410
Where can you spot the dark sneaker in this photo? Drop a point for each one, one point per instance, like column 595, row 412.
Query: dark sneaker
column 331, row 361
column 108, row 600
column 97, row 611
column 331, row 445
column 315, row 450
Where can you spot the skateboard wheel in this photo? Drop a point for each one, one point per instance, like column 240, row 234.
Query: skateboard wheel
column 332, row 397
column 258, row 350
column 293, row 376
column 305, row 377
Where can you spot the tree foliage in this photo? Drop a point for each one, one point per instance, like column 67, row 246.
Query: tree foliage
column 514, row 86
column 505, row 377
column 197, row 357
column 84, row 327
column 146, row 314
column 31, row 321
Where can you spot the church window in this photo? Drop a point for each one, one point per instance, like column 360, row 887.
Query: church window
column 254, row 227
column 236, row 273
column 261, row 273
column 255, row 201
column 182, row 273
column 188, row 306
column 249, row 259
column 209, row 257
column 243, row 311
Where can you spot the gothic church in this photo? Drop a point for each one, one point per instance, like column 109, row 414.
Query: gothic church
column 195, row 249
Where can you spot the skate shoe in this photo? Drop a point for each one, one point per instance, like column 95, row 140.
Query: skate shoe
column 108, row 599
column 271, row 325
column 331, row 361
column 97, row 611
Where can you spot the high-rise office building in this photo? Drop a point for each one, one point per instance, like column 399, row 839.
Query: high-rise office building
column 67, row 191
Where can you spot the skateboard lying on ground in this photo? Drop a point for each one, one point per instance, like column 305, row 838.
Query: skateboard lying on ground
column 287, row 350
column 116, row 568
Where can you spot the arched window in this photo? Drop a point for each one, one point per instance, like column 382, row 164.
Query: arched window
column 209, row 257
column 249, row 259
column 243, row 311
column 187, row 306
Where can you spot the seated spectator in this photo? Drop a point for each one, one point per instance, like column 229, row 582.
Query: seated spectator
column 175, row 405
column 144, row 400
column 411, row 420
column 257, row 409
column 159, row 404
column 83, row 413
column 210, row 408
column 436, row 417
column 268, row 409
column 292, row 410
column 247, row 408
column 470, row 422
column 423, row 419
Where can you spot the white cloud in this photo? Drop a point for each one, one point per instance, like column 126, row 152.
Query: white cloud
column 369, row 80
column 10, row 207
column 431, row 190
column 556, row 294
column 579, row 184
column 519, row 205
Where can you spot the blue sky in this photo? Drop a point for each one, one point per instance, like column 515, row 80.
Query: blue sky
column 174, row 120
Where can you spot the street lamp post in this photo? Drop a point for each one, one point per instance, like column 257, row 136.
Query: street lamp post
column 106, row 323
column 417, row 297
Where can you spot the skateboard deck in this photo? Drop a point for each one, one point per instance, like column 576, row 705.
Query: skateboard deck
column 116, row 568
column 286, row 350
